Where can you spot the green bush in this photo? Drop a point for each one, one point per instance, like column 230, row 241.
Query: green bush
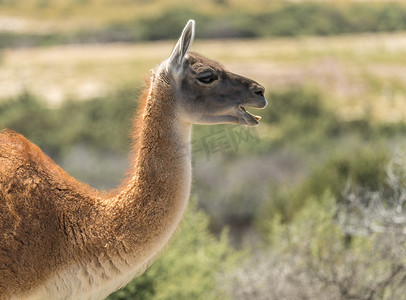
column 301, row 117
column 300, row 102
column 348, row 250
column 94, row 121
column 320, row 261
column 286, row 20
column 364, row 167
column 188, row 268
column 30, row 117
column 326, row 19
column 102, row 123
column 304, row 18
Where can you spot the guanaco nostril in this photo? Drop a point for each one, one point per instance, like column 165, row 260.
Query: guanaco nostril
column 258, row 90
column 260, row 93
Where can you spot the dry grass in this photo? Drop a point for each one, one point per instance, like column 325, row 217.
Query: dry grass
column 362, row 74
column 69, row 15
column 78, row 72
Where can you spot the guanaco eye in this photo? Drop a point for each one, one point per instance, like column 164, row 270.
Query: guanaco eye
column 206, row 77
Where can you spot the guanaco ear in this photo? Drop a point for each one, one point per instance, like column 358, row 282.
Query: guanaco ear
column 182, row 45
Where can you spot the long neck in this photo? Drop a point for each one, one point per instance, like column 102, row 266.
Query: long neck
column 111, row 239
column 155, row 197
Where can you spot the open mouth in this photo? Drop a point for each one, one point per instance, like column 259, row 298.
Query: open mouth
column 248, row 113
column 247, row 118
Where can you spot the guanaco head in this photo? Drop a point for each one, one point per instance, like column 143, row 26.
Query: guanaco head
column 206, row 93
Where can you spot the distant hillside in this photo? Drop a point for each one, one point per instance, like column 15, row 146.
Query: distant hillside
column 47, row 22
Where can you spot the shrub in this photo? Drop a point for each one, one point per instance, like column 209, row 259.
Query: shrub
column 30, row 117
column 365, row 166
column 188, row 269
column 75, row 122
column 301, row 116
column 314, row 257
column 292, row 19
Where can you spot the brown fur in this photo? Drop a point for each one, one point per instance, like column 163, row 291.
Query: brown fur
column 43, row 212
column 60, row 238
column 47, row 218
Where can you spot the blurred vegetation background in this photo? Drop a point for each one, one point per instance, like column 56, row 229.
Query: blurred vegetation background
column 309, row 205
